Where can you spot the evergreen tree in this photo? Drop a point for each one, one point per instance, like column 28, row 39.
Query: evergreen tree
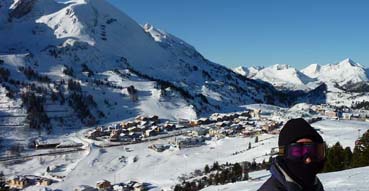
column 347, row 157
column 215, row 166
column 237, row 171
column 360, row 155
column 178, row 188
column 256, row 139
column 249, row 145
column 206, row 169
column 335, row 158
column 245, row 175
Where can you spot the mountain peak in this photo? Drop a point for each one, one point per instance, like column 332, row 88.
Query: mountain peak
column 348, row 62
column 281, row 66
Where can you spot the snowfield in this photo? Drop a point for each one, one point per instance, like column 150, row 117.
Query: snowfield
column 350, row 180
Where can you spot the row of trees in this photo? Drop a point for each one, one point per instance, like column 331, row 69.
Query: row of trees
column 81, row 103
column 214, row 175
column 36, row 115
column 32, row 74
column 4, row 74
column 339, row 158
column 217, row 174
column 361, row 105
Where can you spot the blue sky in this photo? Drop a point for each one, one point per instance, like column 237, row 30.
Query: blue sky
column 260, row 32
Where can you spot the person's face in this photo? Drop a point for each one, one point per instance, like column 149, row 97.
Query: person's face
column 305, row 140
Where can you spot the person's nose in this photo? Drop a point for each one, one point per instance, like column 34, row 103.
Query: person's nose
column 307, row 160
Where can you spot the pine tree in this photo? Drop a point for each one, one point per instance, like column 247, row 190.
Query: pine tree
column 360, row 155
column 335, row 158
column 206, row 169
column 249, row 145
column 215, row 166
column 347, row 157
column 245, row 174
column 236, row 173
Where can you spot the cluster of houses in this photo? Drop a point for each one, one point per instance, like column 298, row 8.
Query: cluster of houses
column 247, row 123
column 105, row 185
column 132, row 131
column 334, row 112
column 21, row 182
column 219, row 125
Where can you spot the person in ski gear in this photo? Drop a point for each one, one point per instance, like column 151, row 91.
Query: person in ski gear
column 301, row 156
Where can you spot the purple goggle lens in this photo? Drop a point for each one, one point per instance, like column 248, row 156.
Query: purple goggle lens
column 298, row 151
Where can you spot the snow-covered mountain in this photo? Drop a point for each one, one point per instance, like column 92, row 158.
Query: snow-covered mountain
column 88, row 54
column 249, row 72
column 342, row 73
column 341, row 83
column 284, row 76
column 281, row 76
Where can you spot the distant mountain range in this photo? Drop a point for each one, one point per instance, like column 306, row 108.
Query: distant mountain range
column 341, row 74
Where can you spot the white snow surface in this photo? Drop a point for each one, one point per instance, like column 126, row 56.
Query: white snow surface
column 351, row 180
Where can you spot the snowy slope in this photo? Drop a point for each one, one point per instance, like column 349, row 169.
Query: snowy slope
column 50, row 36
column 353, row 179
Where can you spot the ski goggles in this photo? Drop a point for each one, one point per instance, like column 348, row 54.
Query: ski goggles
column 300, row 151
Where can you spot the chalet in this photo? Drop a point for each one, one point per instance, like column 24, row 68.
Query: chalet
column 46, row 143
column 150, row 132
column 103, row 185
column 222, row 124
column 255, row 113
column 236, row 127
column 159, row 147
column 187, row 142
column 169, row 126
column 216, row 133
column 347, row 116
column 142, row 128
column 224, row 117
column 200, row 132
column 114, row 135
column 131, row 183
column 94, row 134
column 118, row 126
column 125, row 137
column 69, row 144
column 18, row 182
column 201, row 121
column 184, row 122
column 44, row 182
column 138, row 187
column 136, row 136
column 244, row 113
column 154, row 118
column 134, row 129
column 269, row 126
column 204, row 121
column 129, row 124
column 331, row 114
column 253, row 132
